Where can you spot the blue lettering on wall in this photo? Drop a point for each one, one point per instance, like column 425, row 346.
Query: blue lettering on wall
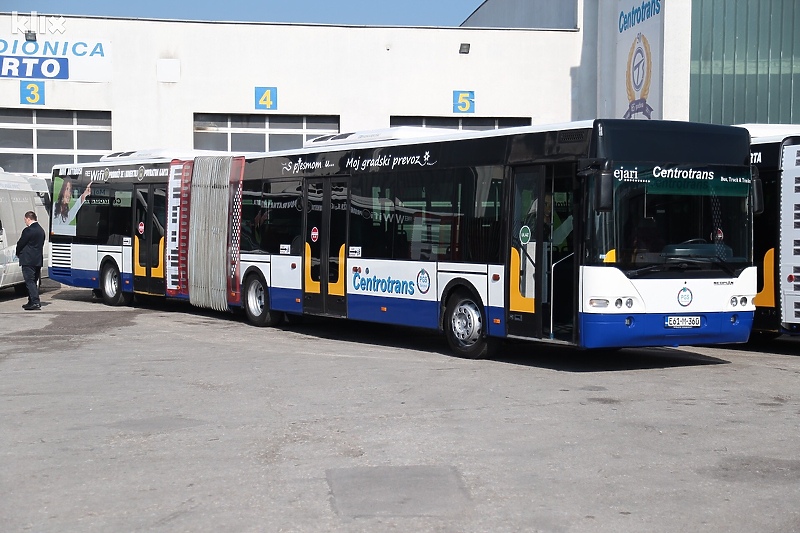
column 47, row 68
column 639, row 14
column 52, row 48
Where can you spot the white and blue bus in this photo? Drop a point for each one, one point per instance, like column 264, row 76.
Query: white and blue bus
column 597, row 234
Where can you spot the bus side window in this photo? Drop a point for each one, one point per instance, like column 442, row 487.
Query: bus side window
column 402, row 248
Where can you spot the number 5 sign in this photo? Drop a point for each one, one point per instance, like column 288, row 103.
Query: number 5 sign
column 463, row 101
column 267, row 98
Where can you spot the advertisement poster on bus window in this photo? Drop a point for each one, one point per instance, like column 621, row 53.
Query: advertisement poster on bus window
column 69, row 198
column 639, row 54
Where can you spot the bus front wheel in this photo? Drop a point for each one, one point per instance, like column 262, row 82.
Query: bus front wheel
column 256, row 305
column 111, row 286
column 464, row 327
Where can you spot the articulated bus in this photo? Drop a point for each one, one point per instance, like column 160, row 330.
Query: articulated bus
column 775, row 152
column 597, row 234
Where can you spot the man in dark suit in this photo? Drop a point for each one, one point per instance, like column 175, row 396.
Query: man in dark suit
column 30, row 250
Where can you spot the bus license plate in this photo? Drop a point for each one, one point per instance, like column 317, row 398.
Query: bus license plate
column 683, row 322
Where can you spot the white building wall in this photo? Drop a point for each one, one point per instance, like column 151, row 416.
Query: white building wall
column 677, row 58
column 363, row 74
column 607, row 15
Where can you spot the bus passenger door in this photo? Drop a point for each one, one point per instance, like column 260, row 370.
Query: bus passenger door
column 148, row 242
column 325, row 239
column 525, row 261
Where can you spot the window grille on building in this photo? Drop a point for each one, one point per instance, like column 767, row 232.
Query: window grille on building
column 461, row 123
column 33, row 140
column 259, row 133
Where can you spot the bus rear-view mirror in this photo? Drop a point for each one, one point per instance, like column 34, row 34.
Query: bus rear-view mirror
column 756, row 193
column 604, row 191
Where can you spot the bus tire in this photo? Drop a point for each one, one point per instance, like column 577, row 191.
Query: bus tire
column 464, row 326
column 256, row 303
column 111, row 286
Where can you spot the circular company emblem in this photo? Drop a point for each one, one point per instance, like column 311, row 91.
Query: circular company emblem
column 638, row 69
column 685, row 297
column 423, row 281
column 140, row 174
column 141, row 228
column 638, row 77
column 314, row 234
column 106, row 174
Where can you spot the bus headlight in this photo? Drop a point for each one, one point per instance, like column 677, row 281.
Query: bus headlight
column 743, row 301
column 629, row 303
column 598, row 302
column 734, row 301
column 618, row 303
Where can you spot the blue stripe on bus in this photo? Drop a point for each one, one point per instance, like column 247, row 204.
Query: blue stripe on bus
column 75, row 278
column 610, row 331
column 89, row 279
column 286, row 300
column 492, row 314
column 416, row 313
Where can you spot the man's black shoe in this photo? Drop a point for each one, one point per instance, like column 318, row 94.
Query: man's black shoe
column 31, row 307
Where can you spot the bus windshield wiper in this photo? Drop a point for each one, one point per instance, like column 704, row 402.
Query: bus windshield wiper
column 717, row 261
column 647, row 269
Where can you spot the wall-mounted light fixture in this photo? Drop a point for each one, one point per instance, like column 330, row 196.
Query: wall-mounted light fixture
column 30, row 36
column 464, row 48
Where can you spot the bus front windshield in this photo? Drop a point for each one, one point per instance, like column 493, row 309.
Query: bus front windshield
column 669, row 217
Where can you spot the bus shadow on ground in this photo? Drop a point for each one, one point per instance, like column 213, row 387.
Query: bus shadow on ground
column 783, row 345
column 520, row 353
column 571, row 359
column 531, row 354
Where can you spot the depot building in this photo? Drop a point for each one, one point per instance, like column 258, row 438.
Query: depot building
column 75, row 88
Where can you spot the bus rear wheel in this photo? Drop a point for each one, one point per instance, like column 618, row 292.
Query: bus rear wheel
column 111, row 286
column 256, row 304
column 464, row 327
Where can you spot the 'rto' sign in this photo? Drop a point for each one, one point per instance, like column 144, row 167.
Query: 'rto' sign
column 48, row 68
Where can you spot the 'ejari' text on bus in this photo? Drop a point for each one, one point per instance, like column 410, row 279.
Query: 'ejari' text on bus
column 599, row 234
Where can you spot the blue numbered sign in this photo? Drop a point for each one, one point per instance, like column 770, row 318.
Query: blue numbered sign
column 31, row 92
column 267, row 98
column 463, row 101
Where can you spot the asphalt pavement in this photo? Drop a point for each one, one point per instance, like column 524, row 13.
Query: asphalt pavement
column 164, row 417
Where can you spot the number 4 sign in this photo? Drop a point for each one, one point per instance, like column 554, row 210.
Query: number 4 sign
column 267, row 98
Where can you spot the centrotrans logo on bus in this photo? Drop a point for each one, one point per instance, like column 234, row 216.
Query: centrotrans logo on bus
column 367, row 283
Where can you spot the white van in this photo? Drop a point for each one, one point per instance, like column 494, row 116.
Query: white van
column 18, row 195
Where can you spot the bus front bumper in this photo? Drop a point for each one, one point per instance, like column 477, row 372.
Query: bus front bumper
column 623, row 330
